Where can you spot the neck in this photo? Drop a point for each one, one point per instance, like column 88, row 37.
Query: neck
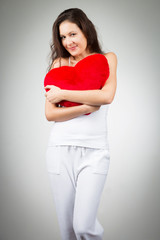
column 80, row 57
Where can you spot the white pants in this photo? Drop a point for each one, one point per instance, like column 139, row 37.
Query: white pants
column 77, row 176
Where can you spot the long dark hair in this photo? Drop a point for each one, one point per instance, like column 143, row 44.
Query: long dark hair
column 77, row 16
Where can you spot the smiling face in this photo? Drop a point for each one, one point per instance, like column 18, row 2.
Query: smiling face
column 73, row 39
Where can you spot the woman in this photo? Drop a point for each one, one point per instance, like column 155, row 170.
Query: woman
column 78, row 156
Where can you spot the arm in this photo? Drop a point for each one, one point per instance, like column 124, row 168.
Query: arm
column 97, row 97
column 90, row 97
column 57, row 114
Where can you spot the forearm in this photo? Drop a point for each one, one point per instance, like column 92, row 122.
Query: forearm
column 90, row 97
column 58, row 114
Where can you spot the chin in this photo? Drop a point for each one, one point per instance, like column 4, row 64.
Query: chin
column 74, row 53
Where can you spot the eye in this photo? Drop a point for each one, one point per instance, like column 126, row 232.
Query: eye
column 63, row 37
column 73, row 34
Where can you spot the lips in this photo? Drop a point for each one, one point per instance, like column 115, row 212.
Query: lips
column 72, row 48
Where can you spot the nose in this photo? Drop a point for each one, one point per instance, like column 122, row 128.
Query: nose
column 68, row 42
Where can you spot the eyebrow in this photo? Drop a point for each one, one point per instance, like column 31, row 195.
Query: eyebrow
column 68, row 33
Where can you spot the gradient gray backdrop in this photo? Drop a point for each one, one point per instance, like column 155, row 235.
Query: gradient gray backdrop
column 129, row 208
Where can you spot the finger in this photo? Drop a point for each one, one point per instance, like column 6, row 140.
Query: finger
column 48, row 86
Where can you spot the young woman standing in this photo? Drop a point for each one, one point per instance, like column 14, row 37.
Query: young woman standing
column 77, row 156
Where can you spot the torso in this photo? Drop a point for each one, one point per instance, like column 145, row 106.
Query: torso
column 86, row 130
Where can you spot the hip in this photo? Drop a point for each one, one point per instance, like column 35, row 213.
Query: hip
column 77, row 158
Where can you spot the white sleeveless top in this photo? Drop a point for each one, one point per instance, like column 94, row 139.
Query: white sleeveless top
column 86, row 130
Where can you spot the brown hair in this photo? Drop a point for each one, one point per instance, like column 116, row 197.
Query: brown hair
column 77, row 16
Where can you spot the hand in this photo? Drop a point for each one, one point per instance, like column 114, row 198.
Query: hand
column 91, row 108
column 54, row 95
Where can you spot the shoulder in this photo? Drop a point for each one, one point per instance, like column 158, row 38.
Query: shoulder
column 111, row 57
column 58, row 62
column 112, row 61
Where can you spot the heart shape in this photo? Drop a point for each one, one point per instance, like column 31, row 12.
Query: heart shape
column 90, row 73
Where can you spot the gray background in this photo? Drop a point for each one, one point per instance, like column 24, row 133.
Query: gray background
column 129, row 206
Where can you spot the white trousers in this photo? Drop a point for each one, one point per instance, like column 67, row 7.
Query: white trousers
column 77, row 176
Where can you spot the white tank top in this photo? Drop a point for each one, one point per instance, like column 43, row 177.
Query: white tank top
column 86, row 130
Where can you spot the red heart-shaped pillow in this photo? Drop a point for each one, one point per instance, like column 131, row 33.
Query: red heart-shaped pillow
column 88, row 74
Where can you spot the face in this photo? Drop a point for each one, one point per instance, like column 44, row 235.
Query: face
column 73, row 39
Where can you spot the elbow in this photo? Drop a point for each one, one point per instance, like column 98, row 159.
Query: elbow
column 108, row 100
column 50, row 111
column 108, row 95
column 49, row 117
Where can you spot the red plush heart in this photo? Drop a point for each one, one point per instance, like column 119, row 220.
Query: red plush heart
column 88, row 74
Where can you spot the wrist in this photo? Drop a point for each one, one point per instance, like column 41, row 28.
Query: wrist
column 86, row 108
column 63, row 94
